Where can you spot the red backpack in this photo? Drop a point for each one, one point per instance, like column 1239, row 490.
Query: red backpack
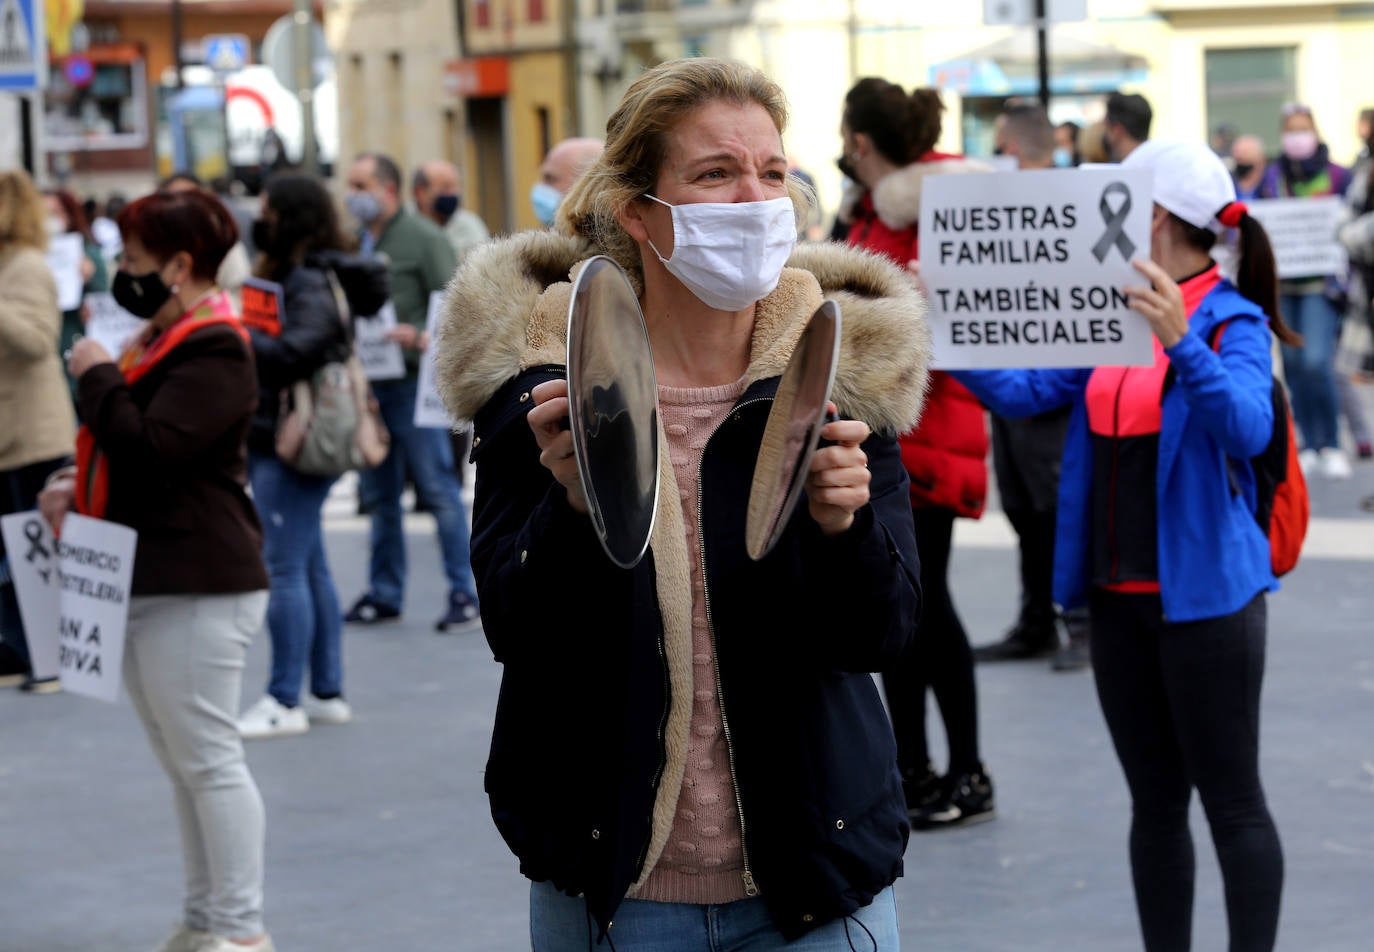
column 1281, row 505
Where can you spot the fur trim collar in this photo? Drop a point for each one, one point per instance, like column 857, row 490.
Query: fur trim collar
column 507, row 309
column 897, row 198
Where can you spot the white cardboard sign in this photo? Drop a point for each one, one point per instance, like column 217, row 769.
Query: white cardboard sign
column 110, row 325
column 78, row 603
column 1303, row 233
column 65, row 254
column 429, row 406
column 1026, row 269
column 381, row 358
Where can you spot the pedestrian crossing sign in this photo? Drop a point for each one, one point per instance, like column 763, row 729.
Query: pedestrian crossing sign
column 23, row 45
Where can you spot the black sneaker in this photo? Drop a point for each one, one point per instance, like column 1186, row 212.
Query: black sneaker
column 1022, row 643
column 462, row 615
column 967, row 798
column 41, row 686
column 367, row 611
column 13, row 670
column 922, row 789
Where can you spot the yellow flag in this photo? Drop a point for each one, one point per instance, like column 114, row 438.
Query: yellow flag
column 62, row 16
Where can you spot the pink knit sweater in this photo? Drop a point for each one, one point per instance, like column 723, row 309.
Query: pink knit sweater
column 703, row 861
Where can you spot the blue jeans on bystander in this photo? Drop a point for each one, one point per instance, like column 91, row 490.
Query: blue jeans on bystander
column 426, row 454
column 303, row 610
column 1309, row 369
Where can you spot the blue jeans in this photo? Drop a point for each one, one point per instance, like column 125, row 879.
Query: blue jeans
column 424, row 452
column 559, row 923
column 303, row 608
column 1308, row 369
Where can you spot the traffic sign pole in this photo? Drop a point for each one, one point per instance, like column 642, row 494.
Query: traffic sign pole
column 305, row 85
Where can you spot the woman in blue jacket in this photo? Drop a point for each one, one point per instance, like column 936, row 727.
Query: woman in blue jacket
column 1157, row 534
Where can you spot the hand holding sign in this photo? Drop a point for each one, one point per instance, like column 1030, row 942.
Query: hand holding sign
column 1161, row 304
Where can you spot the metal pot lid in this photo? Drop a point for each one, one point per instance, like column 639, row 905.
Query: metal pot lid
column 613, row 409
column 793, row 431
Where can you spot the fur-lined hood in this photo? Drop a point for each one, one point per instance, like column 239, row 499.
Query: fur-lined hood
column 507, row 311
column 897, row 198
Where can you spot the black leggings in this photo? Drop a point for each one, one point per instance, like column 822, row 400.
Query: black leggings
column 1182, row 704
column 939, row 658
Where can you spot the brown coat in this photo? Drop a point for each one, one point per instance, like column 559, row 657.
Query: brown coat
column 37, row 422
column 175, row 441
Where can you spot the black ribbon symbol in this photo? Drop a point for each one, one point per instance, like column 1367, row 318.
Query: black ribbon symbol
column 1116, row 224
column 33, row 531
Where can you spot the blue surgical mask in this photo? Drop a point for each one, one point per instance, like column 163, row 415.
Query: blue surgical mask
column 1063, row 158
column 545, row 199
column 363, row 206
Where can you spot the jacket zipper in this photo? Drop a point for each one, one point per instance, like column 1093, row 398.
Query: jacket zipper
column 750, row 887
column 662, row 756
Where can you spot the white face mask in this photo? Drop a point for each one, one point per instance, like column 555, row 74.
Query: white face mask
column 730, row 254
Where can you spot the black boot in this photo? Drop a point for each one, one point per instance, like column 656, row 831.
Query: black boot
column 1024, row 642
column 967, row 798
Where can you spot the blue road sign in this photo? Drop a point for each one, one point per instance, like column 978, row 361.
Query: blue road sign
column 226, row 52
column 23, row 45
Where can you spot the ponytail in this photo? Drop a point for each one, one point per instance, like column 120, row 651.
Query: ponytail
column 1257, row 277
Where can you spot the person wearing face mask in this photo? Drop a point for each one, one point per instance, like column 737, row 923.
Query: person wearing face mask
column 1158, row 536
column 163, row 452
column 65, row 217
column 889, row 148
column 421, row 261
column 563, row 166
column 1249, row 166
column 712, row 769
column 35, row 406
column 1066, row 145
column 436, row 189
column 299, row 244
column 1311, row 304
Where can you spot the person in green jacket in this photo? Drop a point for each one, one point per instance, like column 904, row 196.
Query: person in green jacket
column 421, row 261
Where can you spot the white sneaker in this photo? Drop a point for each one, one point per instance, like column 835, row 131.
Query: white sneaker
column 334, row 710
column 1334, row 464
column 186, row 939
column 219, row 943
column 1308, row 461
column 270, row 718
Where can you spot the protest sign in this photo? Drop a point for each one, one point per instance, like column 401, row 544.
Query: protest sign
column 32, row 554
column 74, row 598
column 65, row 254
column 1026, row 269
column 110, row 325
column 263, row 305
column 1303, row 233
column 429, row 406
column 381, row 357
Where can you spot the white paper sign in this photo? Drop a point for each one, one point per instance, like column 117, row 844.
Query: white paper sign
column 1026, row 269
column 1303, row 233
column 65, row 254
column 381, row 358
column 31, row 552
column 429, row 406
column 80, row 609
column 110, row 325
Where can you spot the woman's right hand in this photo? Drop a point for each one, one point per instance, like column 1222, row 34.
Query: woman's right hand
column 549, row 421
column 55, row 501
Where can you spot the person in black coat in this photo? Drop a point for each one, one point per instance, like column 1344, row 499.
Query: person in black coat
column 296, row 328
column 700, row 732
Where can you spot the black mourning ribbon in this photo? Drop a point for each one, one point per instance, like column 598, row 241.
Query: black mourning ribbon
column 33, row 531
column 1116, row 224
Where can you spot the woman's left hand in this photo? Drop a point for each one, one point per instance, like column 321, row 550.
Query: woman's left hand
column 1161, row 304
column 85, row 354
column 837, row 485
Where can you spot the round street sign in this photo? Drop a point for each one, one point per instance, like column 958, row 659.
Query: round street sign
column 78, row 70
column 279, row 52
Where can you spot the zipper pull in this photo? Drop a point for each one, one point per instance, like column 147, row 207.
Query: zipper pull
column 750, row 887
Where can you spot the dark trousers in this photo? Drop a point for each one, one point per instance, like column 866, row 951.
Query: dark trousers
column 19, row 489
column 939, row 659
column 1026, row 456
column 1182, row 705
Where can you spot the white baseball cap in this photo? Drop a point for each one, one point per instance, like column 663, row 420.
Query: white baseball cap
column 1190, row 181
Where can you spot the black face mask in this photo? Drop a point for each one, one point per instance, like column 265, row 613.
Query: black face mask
column 847, row 170
column 1244, row 169
column 998, row 151
column 446, row 206
column 142, row 295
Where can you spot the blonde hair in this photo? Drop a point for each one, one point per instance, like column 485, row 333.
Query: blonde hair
column 637, row 143
column 23, row 215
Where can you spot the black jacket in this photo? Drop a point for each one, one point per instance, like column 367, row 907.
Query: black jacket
column 312, row 333
column 579, row 768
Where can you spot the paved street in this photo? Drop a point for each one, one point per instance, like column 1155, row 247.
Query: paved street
column 379, row 836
